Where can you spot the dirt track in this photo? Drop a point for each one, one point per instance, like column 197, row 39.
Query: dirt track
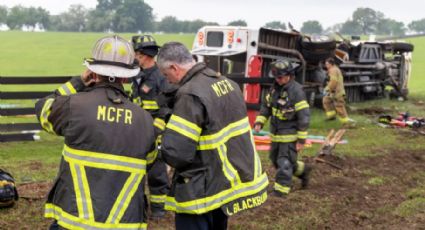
column 364, row 195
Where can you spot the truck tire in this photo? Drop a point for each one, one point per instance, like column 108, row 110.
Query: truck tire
column 402, row 47
column 322, row 45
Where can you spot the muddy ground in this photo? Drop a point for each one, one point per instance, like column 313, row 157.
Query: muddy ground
column 366, row 194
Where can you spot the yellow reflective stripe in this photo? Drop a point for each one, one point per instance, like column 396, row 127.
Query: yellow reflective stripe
column 82, row 191
column 284, row 138
column 72, row 222
column 330, row 114
column 61, row 91
column 151, row 157
column 149, row 104
column 207, row 204
column 159, row 123
column 344, row 119
column 184, row 127
column 71, row 88
column 234, row 129
column 77, row 189
column 278, row 113
column 157, row 198
column 261, row 119
column 281, row 188
column 67, row 89
column 300, row 168
column 124, row 198
column 229, row 171
column 302, row 134
column 103, row 160
column 257, row 162
column 301, row 105
column 44, row 116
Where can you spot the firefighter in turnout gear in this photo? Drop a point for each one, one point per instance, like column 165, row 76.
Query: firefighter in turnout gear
column 208, row 141
column 333, row 100
column 109, row 144
column 146, row 87
column 289, row 114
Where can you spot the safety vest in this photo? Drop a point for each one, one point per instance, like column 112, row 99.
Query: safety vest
column 100, row 184
column 208, row 141
column 289, row 113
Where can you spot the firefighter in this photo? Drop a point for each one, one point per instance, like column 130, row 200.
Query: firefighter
column 100, row 184
column 333, row 100
column 146, row 87
column 286, row 106
column 209, row 143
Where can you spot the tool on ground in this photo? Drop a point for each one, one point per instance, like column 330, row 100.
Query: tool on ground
column 328, row 146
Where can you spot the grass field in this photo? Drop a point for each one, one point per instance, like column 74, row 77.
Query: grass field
column 382, row 184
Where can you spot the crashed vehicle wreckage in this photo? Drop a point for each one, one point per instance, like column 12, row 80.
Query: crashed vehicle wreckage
column 370, row 69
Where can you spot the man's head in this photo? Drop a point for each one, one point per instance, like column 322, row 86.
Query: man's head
column 174, row 61
column 282, row 71
column 145, row 48
column 330, row 62
column 112, row 57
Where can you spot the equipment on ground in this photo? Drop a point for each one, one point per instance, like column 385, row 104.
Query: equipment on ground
column 8, row 192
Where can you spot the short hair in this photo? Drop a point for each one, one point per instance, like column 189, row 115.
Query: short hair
column 330, row 60
column 173, row 52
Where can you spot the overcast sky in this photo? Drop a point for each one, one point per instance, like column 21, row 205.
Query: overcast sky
column 256, row 12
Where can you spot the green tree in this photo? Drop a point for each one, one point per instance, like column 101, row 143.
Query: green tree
column 73, row 20
column 350, row 27
column 367, row 19
column 169, row 24
column 3, row 14
column 133, row 16
column 239, row 22
column 312, row 27
column 390, row 27
column 276, row 25
column 16, row 17
column 417, row 26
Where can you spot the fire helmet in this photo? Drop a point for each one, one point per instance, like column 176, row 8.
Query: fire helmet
column 282, row 67
column 145, row 44
column 113, row 56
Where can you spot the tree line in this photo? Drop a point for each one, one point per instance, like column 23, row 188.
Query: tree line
column 137, row 16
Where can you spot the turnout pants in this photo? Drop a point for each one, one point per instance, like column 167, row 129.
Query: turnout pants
column 213, row 220
column 158, row 184
column 284, row 158
column 335, row 106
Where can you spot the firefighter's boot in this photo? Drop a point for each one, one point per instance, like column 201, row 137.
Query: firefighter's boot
column 305, row 176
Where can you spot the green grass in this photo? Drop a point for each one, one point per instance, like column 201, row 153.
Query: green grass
column 55, row 53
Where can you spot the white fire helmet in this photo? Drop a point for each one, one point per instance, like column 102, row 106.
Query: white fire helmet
column 113, row 56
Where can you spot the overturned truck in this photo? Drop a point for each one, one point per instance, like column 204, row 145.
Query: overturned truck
column 370, row 69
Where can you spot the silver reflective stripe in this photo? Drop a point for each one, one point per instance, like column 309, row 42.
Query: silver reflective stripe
column 263, row 182
column 83, row 194
column 62, row 218
column 223, row 135
column 226, row 165
column 66, row 89
column 184, row 127
column 124, row 198
column 104, row 161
